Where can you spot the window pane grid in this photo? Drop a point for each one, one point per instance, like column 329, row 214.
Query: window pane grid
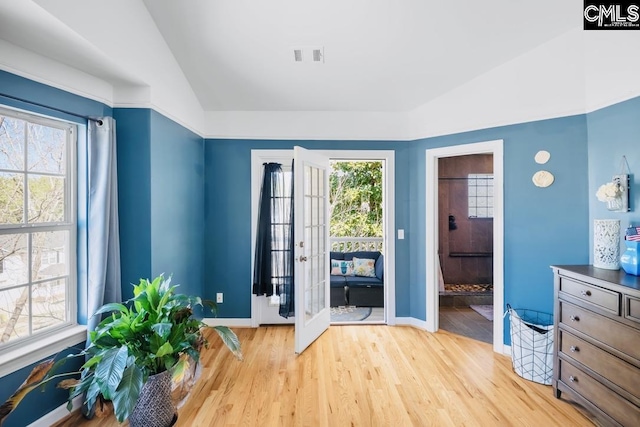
column 480, row 195
column 37, row 226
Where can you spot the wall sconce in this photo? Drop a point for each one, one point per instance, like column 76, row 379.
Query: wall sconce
column 616, row 193
column 621, row 203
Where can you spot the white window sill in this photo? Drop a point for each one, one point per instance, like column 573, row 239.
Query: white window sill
column 33, row 352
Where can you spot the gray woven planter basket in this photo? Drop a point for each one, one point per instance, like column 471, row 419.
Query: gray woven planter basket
column 155, row 407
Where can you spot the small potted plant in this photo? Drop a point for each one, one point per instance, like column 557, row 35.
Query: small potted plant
column 136, row 348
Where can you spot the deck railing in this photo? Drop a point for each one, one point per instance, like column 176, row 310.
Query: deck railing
column 352, row 244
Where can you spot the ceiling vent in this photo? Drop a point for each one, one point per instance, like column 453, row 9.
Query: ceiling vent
column 318, row 54
column 308, row 54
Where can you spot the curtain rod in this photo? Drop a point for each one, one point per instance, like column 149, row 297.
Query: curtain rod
column 37, row 104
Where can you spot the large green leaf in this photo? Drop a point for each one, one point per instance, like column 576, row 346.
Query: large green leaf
column 230, row 339
column 165, row 349
column 111, row 367
column 126, row 396
column 162, row 329
column 113, row 306
column 93, row 391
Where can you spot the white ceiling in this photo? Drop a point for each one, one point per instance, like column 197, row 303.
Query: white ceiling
column 380, row 56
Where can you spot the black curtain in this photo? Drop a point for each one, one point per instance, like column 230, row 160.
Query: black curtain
column 286, row 287
column 273, row 270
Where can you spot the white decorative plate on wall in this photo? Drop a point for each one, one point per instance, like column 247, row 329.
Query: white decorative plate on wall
column 543, row 178
column 542, row 157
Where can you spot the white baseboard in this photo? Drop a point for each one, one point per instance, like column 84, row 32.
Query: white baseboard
column 411, row 321
column 56, row 415
column 506, row 350
column 218, row 321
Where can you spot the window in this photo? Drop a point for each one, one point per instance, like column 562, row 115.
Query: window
column 480, row 188
column 37, row 226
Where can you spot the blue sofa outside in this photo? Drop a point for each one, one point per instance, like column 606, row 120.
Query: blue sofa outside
column 357, row 290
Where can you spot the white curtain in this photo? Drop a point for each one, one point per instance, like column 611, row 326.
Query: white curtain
column 103, row 240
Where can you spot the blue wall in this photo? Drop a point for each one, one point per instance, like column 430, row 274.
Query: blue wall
column 133, row 136
column 542, row 226
column 38, row 404
column 614, row 132
column 177, row 204
column 161, row 200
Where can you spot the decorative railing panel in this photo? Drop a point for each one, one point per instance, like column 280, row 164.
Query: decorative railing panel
column 352, row 244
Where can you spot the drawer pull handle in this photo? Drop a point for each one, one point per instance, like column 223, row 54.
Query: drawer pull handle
column 586, row 293
column 573, row 379
column 574, row 318
column 574, row 349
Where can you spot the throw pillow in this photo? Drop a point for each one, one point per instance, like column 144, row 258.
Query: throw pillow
column 340, row 267
column 364, row 267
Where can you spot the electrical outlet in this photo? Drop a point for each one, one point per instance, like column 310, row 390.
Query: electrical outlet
column 219, row 298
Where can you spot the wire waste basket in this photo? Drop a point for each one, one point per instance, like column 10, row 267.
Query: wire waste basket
column 532, row 344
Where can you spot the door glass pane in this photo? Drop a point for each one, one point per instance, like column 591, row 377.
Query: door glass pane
column 321, row 294
column 307, row 305
column 321, row 177
column 14, row 257
column 314, row 270
column 307, row 237
column 321, row 240
column 314, row 242
column 307, row 180
column 314, row 210
column 316, row 300
column 321, row 202
column 307, row 211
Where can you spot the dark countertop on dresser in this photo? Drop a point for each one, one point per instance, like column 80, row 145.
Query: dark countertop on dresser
column 619, row 277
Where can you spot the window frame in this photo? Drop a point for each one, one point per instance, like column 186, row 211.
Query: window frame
column 472, row 178
column 22, row 351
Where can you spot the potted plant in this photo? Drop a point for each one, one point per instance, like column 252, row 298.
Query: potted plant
column 136, row 348
column 133, row 353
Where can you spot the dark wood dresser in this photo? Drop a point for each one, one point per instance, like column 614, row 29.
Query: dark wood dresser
column 597, row 344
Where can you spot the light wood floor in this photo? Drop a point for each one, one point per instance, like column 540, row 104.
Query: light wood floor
column 364, row 375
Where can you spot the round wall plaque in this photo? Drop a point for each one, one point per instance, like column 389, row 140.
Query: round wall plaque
column 543, row 178
column 542, row 157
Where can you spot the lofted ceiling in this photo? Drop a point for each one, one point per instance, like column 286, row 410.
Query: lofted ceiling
column 379, row 55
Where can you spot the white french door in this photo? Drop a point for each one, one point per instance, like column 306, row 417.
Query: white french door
column 311, row 232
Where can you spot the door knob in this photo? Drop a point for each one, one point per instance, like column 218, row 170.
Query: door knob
column 302, row 258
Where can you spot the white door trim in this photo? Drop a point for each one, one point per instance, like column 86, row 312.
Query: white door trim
column 258, row 157
column 431, row 238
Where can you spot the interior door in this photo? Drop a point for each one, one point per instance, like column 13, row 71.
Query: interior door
column 311, row 231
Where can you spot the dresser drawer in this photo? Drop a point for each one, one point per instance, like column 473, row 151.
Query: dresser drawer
column 617, row 371
column 614, row 334
column 632, row 308
column 599, row 297
column 618, row 408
